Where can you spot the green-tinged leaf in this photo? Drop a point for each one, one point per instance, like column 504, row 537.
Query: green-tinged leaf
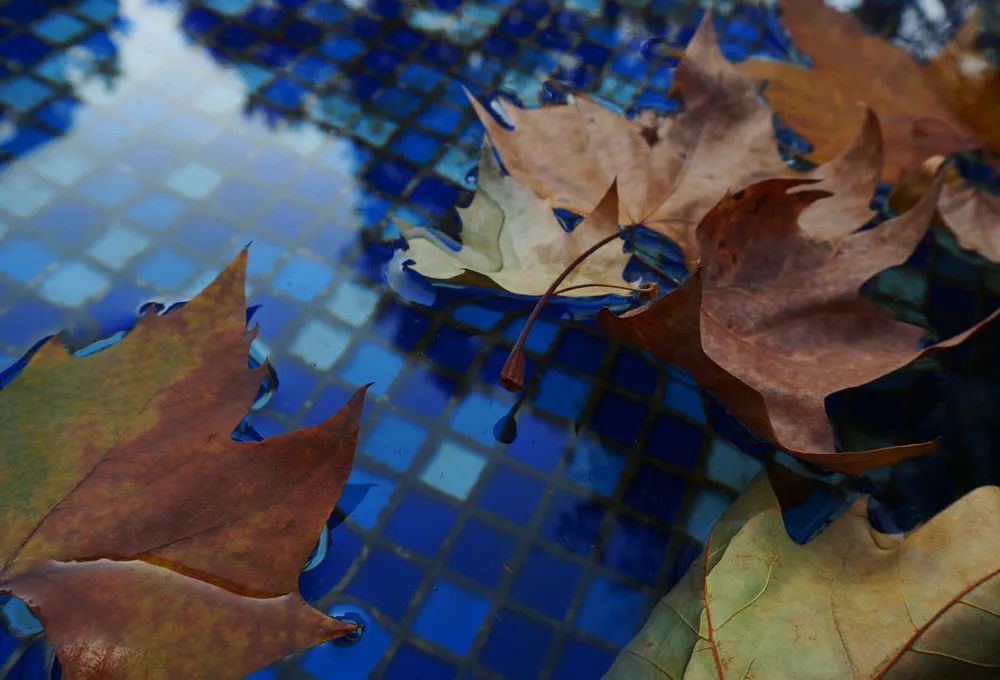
column 853, row 603
column 151, row 544
column 511, row 239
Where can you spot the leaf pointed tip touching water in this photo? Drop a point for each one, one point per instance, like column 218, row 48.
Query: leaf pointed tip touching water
column 142, row 527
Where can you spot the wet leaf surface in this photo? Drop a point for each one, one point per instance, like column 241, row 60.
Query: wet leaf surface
column 148, row 541
column 773, row 322
column 852, row 603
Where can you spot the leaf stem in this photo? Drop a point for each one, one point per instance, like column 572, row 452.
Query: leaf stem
column 512, row 373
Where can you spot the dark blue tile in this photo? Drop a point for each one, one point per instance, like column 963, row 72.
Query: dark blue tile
column 441, row 119
column 410, row 663
column 656, row 493
column 513, row 631
column 327, row 403
column 635, row 372
column 390, row 176
column 442, row 53
column 480, row 552
column 67, row 219
column 295, row 384
column 581, row 660
column 580, row 350
column 636, row 549
column 396, row 102
column 675, row 440
column 421, row 523
column 573, row 522
column 23, row 50
column 27, row 322
column 511, row 494
column 539, row 443
column 453, row 348
column 387, row 581
column 381, row 60
column 286, row 92
column 405, row 38
column 273, row 313
column 424, row 391
column 415, row 146
column 546, row 582
column 462, row 609
column 435, row 195
column 619, row 418
column 402, row 326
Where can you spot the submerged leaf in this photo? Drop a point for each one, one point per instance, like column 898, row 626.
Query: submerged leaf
column 773, row 323
column 151, row 544
column 672, row 171
column 852, row 603
column 923, row 111
column 512, row 240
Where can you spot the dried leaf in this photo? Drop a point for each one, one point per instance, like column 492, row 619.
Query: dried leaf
column 971, row 214
column 773, row 322
column 151, row 544
column 969, row 83
column 821, row 102
column 853, row 603
column 672, row 171
column 511, row 239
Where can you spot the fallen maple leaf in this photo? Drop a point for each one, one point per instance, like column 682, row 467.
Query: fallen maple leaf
column 970, row 213
column 969, row 83
column 511, row 239
column 670, row 172
column 924, row 111
column 852, row 603
column 149, row 543
column 773, row 322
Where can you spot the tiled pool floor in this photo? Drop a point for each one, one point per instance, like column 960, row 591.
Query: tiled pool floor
column 144, row 142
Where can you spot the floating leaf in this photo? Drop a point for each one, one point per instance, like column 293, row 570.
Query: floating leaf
column 852, row 603
column 821, row 102
column 511, row 239
column 773, row 323
column 970, row 213
column 672, row 171
column 148, row 541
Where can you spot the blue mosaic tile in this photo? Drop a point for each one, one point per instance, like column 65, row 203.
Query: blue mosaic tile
column 675, row 441
column 73, row 283
column 302, row 278
column 480, row 552
column 23, row 259
column 375, row 364
column 343, row 548
column 511, row 494
column 561, row 393
column 611, row 611
column 420, row 523
column 594, row 466
column 409, row 662
column 539, row 443
column 394, row 441
column 572, row 522
column 424, row 391
column 546, row 582
column 464, row 610
column 23, row 93
column 514, row 631
column 582, row 660
column 387, row 581
column 637, row 549
column 619, row 418
column 453, row 469
column 166, row 269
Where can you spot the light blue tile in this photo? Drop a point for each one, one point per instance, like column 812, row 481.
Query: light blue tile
column 705, row 511
column 476, row 416
column 320, row 344
column 59, row 27
column 22, row 93
column 194, row 180
column 166, row 269
column 561, row 393
column 352, row 303
column 394, row 441
column 117, row 246
column 611, row 611
column 453, row 469
column 302, row 278
column 685, row 399
column 374, row 364
column 74, row 283
column 374, row 491
column 23, row 196
column 23, row 259
column 66, row 167
column 729, row 465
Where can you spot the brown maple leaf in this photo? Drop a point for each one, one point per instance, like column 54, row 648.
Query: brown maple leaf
column 773, row 321
column 970, row 213
column 149, row 543
column 924, row 111
column 671, row 171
